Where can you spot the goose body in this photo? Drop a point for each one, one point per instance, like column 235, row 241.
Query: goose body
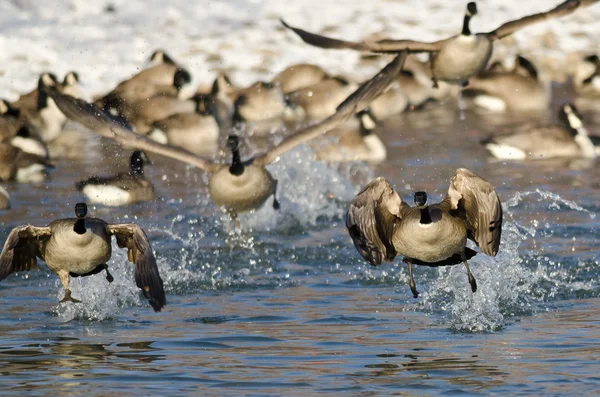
column 80, row 247
column 568, row 139
column 461, row 57
column 382, row 226
column 299, row 76
column 198, row 133
column 20, row 166
column 321, row 99
column 18, row 132
column 259, row 102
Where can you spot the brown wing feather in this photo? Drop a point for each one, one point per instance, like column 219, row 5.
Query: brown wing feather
column 106, row 125
column 358, row 100
column 475, row 199
column 374, row 46
column 139, row 252
column 562, row 9
column 22, row 248
column 370, row 221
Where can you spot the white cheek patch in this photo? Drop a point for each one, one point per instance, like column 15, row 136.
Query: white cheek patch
column 491, row 103
column 574, row 121
column 107, row 195
column 32, row 173
column 30, row 146
column 367, row 122
column 159, row 136
column 186, row 91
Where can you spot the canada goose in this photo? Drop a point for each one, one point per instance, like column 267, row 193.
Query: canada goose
column 355, row 142
column 143, row 113
column 220, row 100
column 17, row 165
column 454, row 59
column 197, row 132
column 260, row 102
column 391, row 102
column 298, row 76
column 123, row 188
column 4, row 199
column 40, row 111
column 160, row 57
column 321, row 99
column 587, row 76
column 18, row 132
column 569, row 139
column 518, row 90
column 80, row 247
column 70, row 85
column 241, row 185
column 382, row 226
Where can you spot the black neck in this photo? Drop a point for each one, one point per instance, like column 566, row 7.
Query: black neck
column 137, row 169
column 42, row 97
column 236, row 168
column 79, row 227
column 425, row 216
column 465, row 30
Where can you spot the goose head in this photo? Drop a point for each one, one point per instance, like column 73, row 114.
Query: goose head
column 80, row 210
column 420, row 199
column 469, row 13
column 137, row 161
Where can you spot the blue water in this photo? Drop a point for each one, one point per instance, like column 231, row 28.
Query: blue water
column 287, row 307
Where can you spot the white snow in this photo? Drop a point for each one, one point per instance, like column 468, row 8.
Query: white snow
column 243, row 37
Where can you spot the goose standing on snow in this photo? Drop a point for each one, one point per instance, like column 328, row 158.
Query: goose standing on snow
column 382, row 226
column 242, row 185
column 123, row 188
column 80, row 247
column 568, row 139
column 457, row 58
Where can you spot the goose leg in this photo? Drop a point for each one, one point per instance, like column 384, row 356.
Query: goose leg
column 109, row 276
column 276, row 204
column 411, row 281
column 471, row 278
column 64, row 279
column 236, row 222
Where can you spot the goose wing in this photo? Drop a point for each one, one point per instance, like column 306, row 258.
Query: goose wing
column 370, row 221
column 108, row 126
column 562, row 9
column 358, row 100
column 139, row 252
column 476, row 201
column 22, row 248
column 372, row 46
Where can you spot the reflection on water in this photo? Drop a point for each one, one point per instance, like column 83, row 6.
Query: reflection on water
column 287, row 307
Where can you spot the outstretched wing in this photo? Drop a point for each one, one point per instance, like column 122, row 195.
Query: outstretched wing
column 357, row 101
column 22, row 248
column 370, row 221
column 381, row 46
column 139, row 252
column 476, row 200
column 562, row 9
column 108, row 126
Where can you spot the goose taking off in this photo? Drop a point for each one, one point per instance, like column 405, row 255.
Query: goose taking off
column 242, row 185
column 382, row 226
column 454, row 59
column 80, row 247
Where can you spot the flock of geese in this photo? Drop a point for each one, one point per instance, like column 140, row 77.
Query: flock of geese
column 157, row 110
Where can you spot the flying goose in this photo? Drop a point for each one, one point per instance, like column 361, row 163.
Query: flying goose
column 355, row 141
column 80, row 247
column 587, row 76
column 454, row 59
column 568, row 139
column 40, row 111
column 4, row 199
column 321, row 99
column 298, row 76
column 18, row 132
column 518, row 90
column 383, row 226
column 123, row 188
column 20, row 166
column 241, row 185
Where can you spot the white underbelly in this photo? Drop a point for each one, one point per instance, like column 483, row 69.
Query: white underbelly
column 429, row 243
column 77, row 253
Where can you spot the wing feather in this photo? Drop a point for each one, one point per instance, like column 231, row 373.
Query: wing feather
column 370, row 220
column 22, row 248
column 139, row 252
column 475, row 199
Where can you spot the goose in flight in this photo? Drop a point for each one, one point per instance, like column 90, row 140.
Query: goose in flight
column 454, row 59
column 383, row 226
column 241, row 185
column 80, row 247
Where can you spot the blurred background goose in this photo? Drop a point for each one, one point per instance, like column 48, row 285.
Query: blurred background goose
column 80, row 247
column 299, row 76
column 567, row 139
column 123, row 188
column 383, row 226
column 17, row 165
column 18, row 132
column 71, row 85
column 4, row 199
column 321, row 99
column 587, row 77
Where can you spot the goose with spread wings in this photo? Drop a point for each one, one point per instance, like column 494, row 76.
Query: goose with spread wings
column 242, row 185
column 383, row 226
column 80, row 247
column 454, row 59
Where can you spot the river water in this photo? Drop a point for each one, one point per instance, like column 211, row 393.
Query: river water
column 286, row 306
